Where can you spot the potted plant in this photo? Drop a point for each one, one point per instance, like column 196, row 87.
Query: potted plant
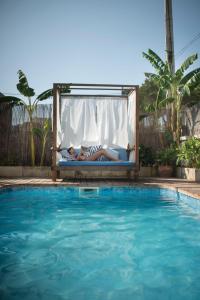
column 166, row 160
column 188, row 157
column 147, row 161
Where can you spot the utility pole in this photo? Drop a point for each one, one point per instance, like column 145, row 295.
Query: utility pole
column 169, row 34
column 169, row 41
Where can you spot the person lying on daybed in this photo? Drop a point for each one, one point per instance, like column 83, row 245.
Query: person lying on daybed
column 93, row 153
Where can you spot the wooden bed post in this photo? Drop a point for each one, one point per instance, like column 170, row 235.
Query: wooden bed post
column 64, row 87
column 137, row 112
column 54, row 168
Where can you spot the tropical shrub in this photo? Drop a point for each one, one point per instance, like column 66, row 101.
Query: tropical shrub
column 42, row 133
column 29, row 104
column 167, row 156
column 189, row 153
column 172, row 87
column 146, row 156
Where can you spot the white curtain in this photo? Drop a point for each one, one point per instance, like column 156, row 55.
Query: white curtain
column 96, row 120
column 78, row 122
column 131, row 124
column 59, row 132
column 112, row 122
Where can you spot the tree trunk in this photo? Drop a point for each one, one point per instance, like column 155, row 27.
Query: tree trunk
column 43, row 151
column 173, row 120
column 178, row 120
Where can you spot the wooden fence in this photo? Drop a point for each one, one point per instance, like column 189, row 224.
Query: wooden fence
column 158, row 138
column 15, row 133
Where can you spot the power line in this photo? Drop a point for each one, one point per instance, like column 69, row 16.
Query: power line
column 194, row 39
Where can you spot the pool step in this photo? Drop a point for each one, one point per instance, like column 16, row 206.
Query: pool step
column 88, row 191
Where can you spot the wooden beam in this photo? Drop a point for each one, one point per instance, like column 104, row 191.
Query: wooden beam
column 137, row 134
column 95, row 88
column 61, row 85
column 55, row 96
column 83, row 95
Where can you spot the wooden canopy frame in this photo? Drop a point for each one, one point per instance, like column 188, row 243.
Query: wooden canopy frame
column 124, row 90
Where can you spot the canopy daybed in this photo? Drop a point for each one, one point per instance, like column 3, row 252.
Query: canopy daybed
column 110, row 120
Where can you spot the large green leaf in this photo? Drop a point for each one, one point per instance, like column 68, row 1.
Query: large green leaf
column 152, row 76
column 194, row 81
column 45, row 95
column 189, row 76
column 47, row 125
column 157, row 58
column 38, row 132
column 185, row 65
column 194, row 97
column 11, row 100
column 155, row 61
column 49, row 93
column 164, row 81
column 163, row 103
column 150, row 108
column 23, row 86
column 186, row 90
column 188, row 62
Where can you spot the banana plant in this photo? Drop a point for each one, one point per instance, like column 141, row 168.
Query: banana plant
column 42, row 133
column 156, row 106
column 172, row 87
column 29, row 104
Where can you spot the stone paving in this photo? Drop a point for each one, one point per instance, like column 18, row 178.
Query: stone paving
column 181, row 185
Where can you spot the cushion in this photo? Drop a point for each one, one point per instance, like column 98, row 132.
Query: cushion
column 122, row 153
column 66, row 155
column 96, row 163
column 85, row 151
column 113, row 152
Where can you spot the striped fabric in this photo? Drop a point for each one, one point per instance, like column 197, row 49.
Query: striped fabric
column 94, row 149
column 88, row 151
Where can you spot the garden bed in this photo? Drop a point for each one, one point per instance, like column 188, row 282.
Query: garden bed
column 190, row 174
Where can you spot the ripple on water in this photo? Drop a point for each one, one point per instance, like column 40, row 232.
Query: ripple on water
column 55, row 245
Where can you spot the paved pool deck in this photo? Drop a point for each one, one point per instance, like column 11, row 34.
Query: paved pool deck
column 180, row 185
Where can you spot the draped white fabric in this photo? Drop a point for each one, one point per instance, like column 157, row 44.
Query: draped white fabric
column 131, row 124
column 59, row 131
column 96, row 120
column 78, row 122
column 112, row 122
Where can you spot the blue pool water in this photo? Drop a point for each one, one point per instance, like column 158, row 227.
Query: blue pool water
column 121, row 243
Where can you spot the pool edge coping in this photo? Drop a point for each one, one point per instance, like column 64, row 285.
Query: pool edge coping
column 132, row 184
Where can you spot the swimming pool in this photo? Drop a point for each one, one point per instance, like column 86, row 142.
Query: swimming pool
column 111, row 243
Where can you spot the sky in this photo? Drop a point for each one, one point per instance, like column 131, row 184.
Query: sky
column 89, row 41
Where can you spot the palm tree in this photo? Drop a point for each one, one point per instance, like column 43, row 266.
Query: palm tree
column 30, row 105
column 172, row 87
